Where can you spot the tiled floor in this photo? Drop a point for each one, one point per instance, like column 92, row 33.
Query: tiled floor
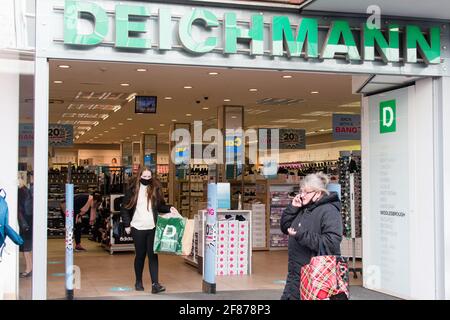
column 105, row 275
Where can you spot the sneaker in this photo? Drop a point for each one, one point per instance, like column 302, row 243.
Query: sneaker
column 157, row 288
column 79, row 248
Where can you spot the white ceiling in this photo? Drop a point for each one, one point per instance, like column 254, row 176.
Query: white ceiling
column 434, row 9
column 169, row 81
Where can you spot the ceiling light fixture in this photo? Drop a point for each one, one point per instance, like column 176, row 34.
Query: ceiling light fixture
column 113, row 128
column 141, row 70
column 287, row 77
column 168, row 98
column 227, row 100
column 106, row 131
column 205, row 108
column 57, row 81
column 314, row 92
column 213, row 73
column 174, row 120
column 162, row 125
column 253, row 90
column 125, row 84
column 188, row 114
column 64, row 66
column 188, row 87
column 129, row 119
column 120, row 124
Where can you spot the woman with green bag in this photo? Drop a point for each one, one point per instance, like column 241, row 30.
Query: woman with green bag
column 142, row 204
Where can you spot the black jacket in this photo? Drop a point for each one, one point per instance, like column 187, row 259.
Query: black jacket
column 158, row 207
column 320, row 221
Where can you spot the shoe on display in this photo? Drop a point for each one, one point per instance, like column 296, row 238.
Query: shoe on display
column 157, row 288
column 138, row 286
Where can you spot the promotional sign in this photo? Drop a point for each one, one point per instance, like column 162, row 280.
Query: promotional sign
column 234, row 148
column 388, row 264
column 26, row 135
column 292, row 139
column 210, row 241
column 346, row 127
column 182, row 155
column 60, row 135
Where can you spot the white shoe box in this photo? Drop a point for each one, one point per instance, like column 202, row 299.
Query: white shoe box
column 233, row 228
column 243, row 228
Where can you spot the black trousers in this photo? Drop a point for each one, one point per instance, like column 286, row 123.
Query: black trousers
column 143, row 243
column 77, row 230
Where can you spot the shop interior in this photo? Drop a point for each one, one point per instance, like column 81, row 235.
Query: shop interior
column 110, row 140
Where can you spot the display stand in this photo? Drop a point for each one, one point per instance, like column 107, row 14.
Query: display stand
column 353, row 226
column 112, row 246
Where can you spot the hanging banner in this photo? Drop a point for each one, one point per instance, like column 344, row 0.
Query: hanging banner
column 26, row 135
column 60, row 135
column 346, row 127
column 292, row 139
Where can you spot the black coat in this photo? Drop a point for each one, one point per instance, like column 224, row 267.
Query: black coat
column 159, row 206
column 315, row 223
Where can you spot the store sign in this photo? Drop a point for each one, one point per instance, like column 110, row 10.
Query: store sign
column 130, row 30
column 389, row 216
column 26, row 135
column 60, row 135
column 234, row 148
column 388, row 116
column 346, row 127
column 292, row 139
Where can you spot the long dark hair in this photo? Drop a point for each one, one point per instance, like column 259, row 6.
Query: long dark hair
column 153, row 189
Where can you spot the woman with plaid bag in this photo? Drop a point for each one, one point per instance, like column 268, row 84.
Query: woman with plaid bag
column 312, row 220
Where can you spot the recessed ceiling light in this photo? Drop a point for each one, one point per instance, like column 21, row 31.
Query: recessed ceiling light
column 113, row 128
column 57, row 81
column 142, row 132
column 233, row 117
column 100, row 134
column 205, row 108
column 253, row 90
column 314, row 92
column 322, row 130
column 129, row 119
column 188, row 87
column 188, row 114
column 227, row 100
column 106, row 131
column 213, row 73
column 64, row 66
column 168, row 98
column 127, row 138
column 125, row 84
column 162, row 125
column 174, row 120
column 134, row 135
column 120, row 124
column 287, row 77
column 141, row 70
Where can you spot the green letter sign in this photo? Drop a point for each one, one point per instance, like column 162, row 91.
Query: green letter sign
column 431, row 53
column 371, row 38
column 307, row 35
column 340, row 28
column 255, row 34
column 72, row 12
column 388, row 116
column 124, row 27
column 185, row 31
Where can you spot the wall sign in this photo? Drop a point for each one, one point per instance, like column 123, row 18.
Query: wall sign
column 292, row 139
column 26, row 135
column 346, row 127
column 388, row 116
column 60, row 135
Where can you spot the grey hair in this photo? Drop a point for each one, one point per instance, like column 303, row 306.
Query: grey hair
column 316, row 181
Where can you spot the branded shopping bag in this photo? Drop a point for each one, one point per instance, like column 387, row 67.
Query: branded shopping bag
column 169, row 235
column 325, row 277
column 186, row 242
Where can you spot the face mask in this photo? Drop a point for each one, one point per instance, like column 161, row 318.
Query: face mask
column 145, row 182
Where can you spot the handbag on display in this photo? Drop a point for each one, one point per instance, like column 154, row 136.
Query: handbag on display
column 188, row 235
column 169, row 235
column 325, row 277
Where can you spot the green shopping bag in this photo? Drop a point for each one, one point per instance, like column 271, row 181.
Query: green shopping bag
column 169, row 235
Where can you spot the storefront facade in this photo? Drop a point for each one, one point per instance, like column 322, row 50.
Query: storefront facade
column 405, row 213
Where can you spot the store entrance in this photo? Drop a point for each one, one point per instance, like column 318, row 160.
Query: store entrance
column 112, row 138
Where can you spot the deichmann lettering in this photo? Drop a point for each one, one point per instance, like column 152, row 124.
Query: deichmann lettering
column 131, row 33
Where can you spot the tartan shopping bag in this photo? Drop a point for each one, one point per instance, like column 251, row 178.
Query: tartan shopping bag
column 169, row 235
column 325, row 277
